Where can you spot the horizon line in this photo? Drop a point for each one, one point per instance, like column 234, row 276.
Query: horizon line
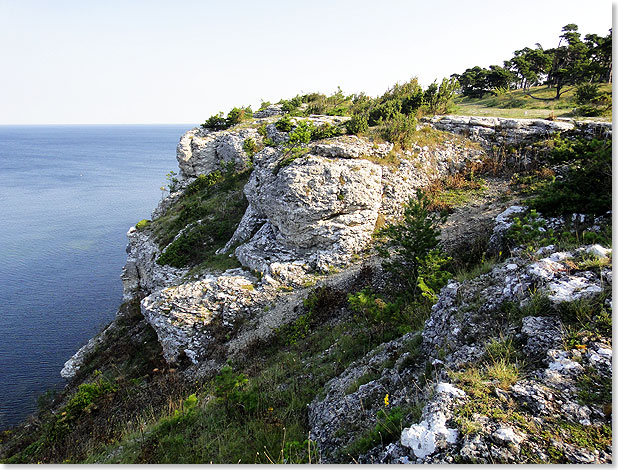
column 102, row 124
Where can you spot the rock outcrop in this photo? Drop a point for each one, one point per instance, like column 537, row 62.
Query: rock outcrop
column 467, row 317
column 494, row 130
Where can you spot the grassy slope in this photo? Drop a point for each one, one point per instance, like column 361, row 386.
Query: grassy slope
column 516, row 104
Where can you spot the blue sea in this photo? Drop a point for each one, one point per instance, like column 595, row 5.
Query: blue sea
column 68, row 195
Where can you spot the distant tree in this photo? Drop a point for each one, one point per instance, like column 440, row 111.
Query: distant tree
column 499, row 77
column 530, row 66
column 473, row 82
column 599, row 57
column 570, row 61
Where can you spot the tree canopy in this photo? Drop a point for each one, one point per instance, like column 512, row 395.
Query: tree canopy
column 574, row 61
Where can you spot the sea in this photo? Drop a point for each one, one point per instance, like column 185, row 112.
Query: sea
column 68, row 195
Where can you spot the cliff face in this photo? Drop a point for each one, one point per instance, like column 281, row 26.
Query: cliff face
column 308, row 220
column 304, row 218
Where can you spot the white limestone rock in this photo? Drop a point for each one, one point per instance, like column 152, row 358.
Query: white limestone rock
column 141, row 273
column 191, row 317
column 315, row 210
column 432, row 432
column 202, row 151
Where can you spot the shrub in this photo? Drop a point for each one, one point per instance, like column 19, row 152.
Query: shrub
column 357, row 124
column 586, row 92
column 587, row 186
column 237, row 115
column 291, row 105
column 203, row 181
column 399, row 129
column 301, row 134
column 216, row 122
column 250, row 147
column 142, row 224
column 172, row 181
column 325, row 131
column 284, row 124
column 410, row 249
column 529, row 232
column 384, row 112
column 437, row 99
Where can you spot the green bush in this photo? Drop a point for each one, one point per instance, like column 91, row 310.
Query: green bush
column 586, row 92
column 172, row 181
column 216, row 122
column 438, row 99
column 291, row 105
column 529, row 232
column 142, row 224
column 301, row 134
column 410, row 249
column 587, row 186
column 218, row 200
column 235, row 116
column 400, row 129
column 357, row 124
column 384, row 112
column 203, row 182
column 284, row 124
column 325, row 131
column 250, row 147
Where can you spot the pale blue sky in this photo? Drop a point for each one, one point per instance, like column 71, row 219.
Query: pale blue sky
column 66, row 61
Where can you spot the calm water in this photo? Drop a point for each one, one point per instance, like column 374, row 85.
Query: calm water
column 68, row 195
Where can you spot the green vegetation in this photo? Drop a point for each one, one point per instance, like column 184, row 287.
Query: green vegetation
column 571, row 63
column 250, row 147
column 410, row 250
column 390, row 423
column 235, row 116
column 586, row 187
column 256, row 410
column 218, row 201
column 142, row 224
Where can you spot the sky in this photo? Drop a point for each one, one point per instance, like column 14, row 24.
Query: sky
column 180, row 61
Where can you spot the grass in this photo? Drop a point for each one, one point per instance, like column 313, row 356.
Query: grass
column 218, row 201
column 454, row 191
column 516, row 104
column 264, row 419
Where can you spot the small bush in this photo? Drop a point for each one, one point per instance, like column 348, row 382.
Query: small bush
column 142, row 224
column 410, row 249
column 301, row 134
column 216, row 122
column 250, row 147
column 357, row 124
column 587, row 186
column 399, row 129
column 235, row 116
column 172, row 181
column 284, row 124
column 529, row 232
column 325, row 131
column 586, row 92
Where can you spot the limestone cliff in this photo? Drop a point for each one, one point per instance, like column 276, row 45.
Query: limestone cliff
column 308, row 221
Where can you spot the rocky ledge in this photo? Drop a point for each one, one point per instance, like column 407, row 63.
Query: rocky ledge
column 479, row 408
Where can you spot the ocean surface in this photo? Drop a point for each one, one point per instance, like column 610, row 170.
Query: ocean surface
column 68, row 195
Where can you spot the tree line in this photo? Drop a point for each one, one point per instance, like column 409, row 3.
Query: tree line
column 574, row 61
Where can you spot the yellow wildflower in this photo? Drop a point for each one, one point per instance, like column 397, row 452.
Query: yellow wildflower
column 386, row 400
